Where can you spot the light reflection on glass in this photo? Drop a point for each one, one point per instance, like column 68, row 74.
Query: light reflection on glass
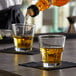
column 52, row 73
column 16, row 59
column 44, row 73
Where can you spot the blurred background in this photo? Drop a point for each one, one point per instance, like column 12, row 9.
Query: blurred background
column 53, row 19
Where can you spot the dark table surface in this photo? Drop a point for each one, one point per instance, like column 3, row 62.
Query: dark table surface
column 9, row 62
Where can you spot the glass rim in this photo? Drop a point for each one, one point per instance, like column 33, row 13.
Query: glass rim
column 52, row 36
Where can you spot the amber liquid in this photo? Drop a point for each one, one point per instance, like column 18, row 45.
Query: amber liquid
column 51, row 55
column 23, row 42
column 60, row 2
column 44, row 4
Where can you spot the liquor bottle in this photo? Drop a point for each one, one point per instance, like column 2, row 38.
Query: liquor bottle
column 41, row 5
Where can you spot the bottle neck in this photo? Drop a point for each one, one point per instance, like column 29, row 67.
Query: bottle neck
column 33, row 10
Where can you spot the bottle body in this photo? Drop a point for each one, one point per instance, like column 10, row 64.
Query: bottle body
column 59, row 2
column 41, row 5
column 44, row 4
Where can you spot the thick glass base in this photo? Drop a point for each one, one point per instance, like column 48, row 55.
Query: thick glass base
column 23, row 49
column 51, row 65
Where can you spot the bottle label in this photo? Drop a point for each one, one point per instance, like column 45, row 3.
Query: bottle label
column 49, row 0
